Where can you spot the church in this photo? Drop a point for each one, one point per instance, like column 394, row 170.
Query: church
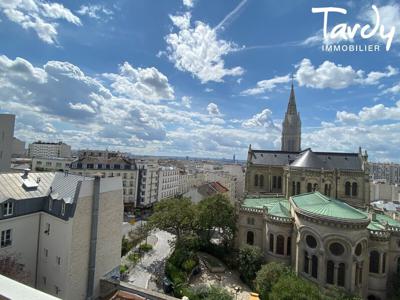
column 310, row 210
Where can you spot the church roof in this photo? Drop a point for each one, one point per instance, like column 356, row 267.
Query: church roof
column 307, row 159
column 279, row 207
column 292, row 109
column 317, row 204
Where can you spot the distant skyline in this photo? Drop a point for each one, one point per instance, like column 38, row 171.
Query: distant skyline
column 196, row 78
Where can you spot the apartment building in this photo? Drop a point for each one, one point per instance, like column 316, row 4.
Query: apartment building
column 18, row 148
column 51, row 164
column 65, row 230
column 45, row 149
column 7, row 123
column 387, row 171
column 169, row 184
column 111, row 166
column 148, row 183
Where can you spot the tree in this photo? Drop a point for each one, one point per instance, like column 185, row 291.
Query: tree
column 268, row 276
column 216, row 213
column 249, row 262
column 173, row 215
column 10, row 267
column 290, row 287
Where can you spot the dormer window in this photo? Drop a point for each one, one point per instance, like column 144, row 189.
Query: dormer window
column 63, row 209
column 8, row 209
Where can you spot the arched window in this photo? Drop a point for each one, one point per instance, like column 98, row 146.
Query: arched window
column 315, row 187
column 289, row 247
column 327, row 190
column 330, row 268
column 347, row 188
column 280, row 244
column 293, row 188
column 384, row 263
column 306, row 262
column 298, row 187
column 256, row 180
column 314, row 266
column 279, row 182
column 271, row 242
column 250, row 238
column 309, row 187
column 374, row 262
column 398, row 265
column 341, row 274
column 274, row 182
column 354, row 189
column 261, row 180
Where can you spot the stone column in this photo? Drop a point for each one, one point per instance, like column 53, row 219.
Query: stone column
column 335, row 273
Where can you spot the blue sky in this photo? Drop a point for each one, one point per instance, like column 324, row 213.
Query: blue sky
column 198, row 78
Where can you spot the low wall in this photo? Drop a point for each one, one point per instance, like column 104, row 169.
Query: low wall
column 110, row 286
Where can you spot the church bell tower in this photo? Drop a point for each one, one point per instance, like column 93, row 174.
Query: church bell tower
column 291, row 126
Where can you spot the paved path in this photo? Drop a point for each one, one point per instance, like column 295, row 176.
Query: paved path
column 127, row 227
column 151, row 261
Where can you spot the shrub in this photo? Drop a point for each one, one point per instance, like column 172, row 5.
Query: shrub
column 134, row 257
column 290, row 287
column 267, row 276
column 189, row 265
column 127, row 245
column 249, row 262
column 145, row 247
column 123, row 269
column 207, row 293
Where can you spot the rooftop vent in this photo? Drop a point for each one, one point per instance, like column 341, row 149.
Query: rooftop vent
column 29, row 184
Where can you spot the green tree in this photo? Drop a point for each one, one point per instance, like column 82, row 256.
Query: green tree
column 173, row 215
column 216, row 213
column 249, row 262
column 268, row 276
column 208, row 293
column 290, row 287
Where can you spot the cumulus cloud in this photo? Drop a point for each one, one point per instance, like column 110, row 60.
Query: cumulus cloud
column 186, row 101
column 41, row 16
column 95, row 12
column 147, row 84
column 336, row 76
column 213, row 109
column 262, row 119
column 188, row 3
column 197, row 50
column 374, row 113
column 266, row 85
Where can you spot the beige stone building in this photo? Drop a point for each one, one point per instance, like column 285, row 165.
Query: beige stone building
column 310, row 210
column 64, row 229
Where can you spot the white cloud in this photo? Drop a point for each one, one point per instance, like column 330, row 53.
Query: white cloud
column 262, row 119
column 213, row 109
column 186, row 101
column 198, row 50
column 39, row 15
column 377, row 112
column 188, row 3
column 81, row 106
column 336, row 76
column 266, row 85
column 393, row 90
column 147, row 84
column 95, row 12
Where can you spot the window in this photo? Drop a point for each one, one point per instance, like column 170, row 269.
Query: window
column 347, row 188
column 354, row 189
column 293, row 188
column 298, row 187
column 250, row 221
column 62, row 208
column 261, row 180
column 398, row 265
column 46, row 252
column 384, row 263
column 280, row 244
column 311, row 241
column 314, row 266
column 330, row 268
column 336, row 249
column 289, row 247
column 279, row 182
column 341, row 274
column 47, row 229
column 309, row 187
column 44, row 280
column 50, row 204
column 250, row 238
column 7, row 209
column 327, row 190
column 58, row 260
column 315, row 187
column 271, row 242
column 358, row 249
column 274, row 182
column 6, row 238
column 256, row 180
column 374, row 262
column 57, row 289
column 306, row 262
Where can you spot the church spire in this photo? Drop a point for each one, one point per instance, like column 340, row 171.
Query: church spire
column 291, row 127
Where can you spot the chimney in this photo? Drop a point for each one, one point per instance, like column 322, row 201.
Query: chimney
column 26, row 173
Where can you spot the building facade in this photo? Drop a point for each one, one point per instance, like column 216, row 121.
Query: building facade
column 148, row 183
column 74, row 226
column 385, row 171
column 111, row 166
column 18, row 148
column 169, row 184
column 7, row 123
column 47, row 164
column 48, row 150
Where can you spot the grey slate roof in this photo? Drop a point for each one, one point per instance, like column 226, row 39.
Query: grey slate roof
column 307, row 159
column 63, row 186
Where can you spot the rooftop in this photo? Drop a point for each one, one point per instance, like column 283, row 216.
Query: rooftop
column 319, row 205
column 277, row 206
